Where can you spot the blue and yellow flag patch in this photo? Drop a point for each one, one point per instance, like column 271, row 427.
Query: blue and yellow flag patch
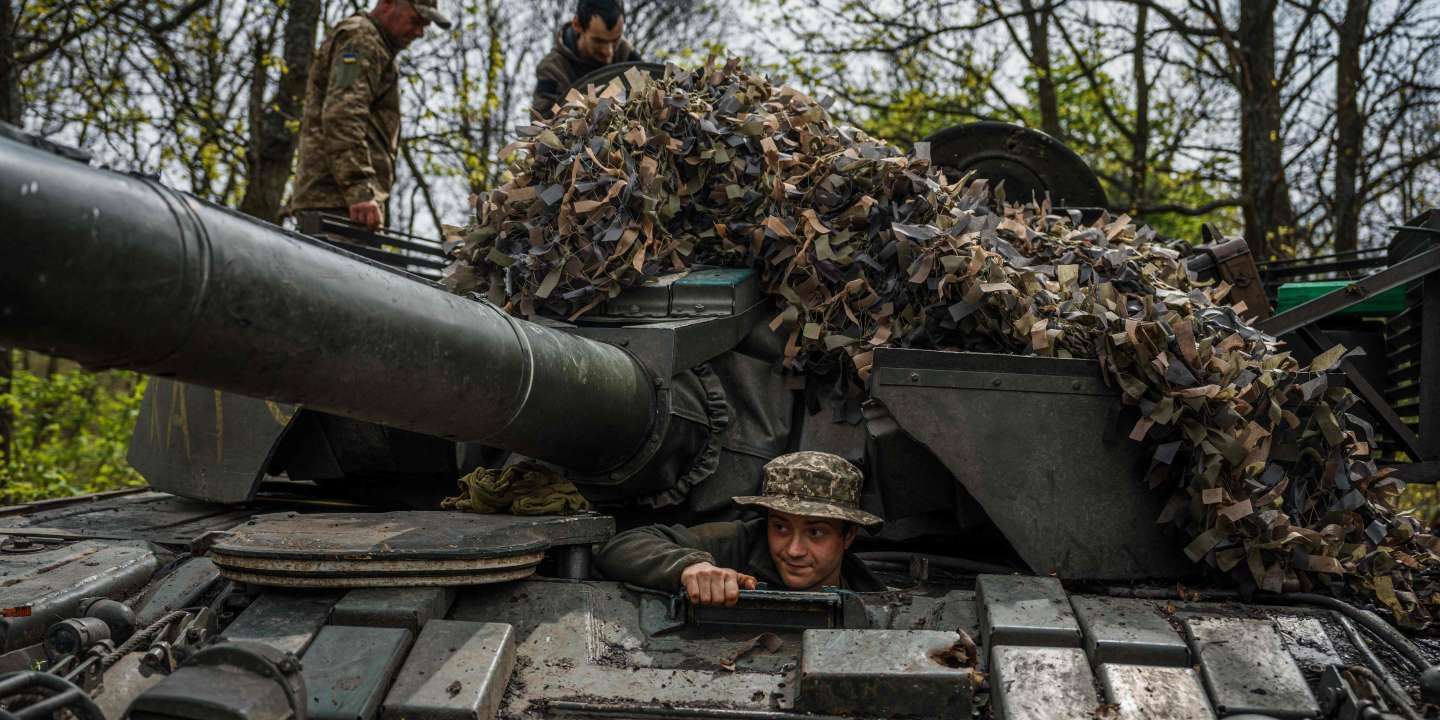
column 347, row 68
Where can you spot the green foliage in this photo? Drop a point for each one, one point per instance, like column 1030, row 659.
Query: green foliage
column 903, row 99
column 71, row 432
column 162, row 86
column 1422, row 501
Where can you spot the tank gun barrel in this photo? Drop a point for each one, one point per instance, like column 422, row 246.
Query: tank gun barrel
column 118, row 271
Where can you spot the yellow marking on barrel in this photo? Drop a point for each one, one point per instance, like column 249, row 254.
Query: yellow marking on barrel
column 184, row 419
column 154, row 392
column 176, row 399
column 279, row 414
column 219, row 428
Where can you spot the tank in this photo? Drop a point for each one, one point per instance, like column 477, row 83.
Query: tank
column 308, row 407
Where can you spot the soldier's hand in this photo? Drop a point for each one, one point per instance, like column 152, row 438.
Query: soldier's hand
column 367, row 213
column 710, row 585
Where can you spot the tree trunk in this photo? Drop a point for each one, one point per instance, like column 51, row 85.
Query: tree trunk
column 275, row 132
column 492, row 119
column 10, row 113
column 1140, row 143
column 7, row 422
column 9, row 69
column 1269, row 216
column 1037, row 21
column 1349, row 126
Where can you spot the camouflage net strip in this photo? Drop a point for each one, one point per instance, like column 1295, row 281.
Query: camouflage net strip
column 862, row 247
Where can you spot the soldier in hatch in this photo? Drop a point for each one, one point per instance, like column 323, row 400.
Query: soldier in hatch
column 813, row 504
column 350, row 133
column 591, row 40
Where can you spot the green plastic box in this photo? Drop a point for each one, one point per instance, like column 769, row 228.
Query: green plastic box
column 1385, row 304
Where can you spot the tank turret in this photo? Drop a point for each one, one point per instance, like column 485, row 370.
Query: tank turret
column 664, row 401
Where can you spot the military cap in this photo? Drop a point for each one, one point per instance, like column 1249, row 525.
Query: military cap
column 815, row 484
column 430, row 10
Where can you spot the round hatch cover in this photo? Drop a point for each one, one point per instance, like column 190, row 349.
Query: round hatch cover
column 602, row 76
column 411, row 548
column 1029, row 162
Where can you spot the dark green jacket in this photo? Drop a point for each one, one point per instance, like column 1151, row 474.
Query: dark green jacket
column 655, row 555
column 562, row 66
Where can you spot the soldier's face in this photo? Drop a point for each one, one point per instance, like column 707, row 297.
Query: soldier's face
column 807, row 550
column 595, row 42
column 405, row 24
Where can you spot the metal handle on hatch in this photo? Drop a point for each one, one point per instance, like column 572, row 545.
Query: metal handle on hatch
column 767, row 609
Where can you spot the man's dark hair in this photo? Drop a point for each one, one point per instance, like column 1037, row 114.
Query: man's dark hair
column 610, row 11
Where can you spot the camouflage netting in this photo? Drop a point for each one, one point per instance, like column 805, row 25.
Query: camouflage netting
column 863, row 246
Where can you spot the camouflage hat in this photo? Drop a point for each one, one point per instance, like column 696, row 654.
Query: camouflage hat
column 430, row 10
column 812, row 483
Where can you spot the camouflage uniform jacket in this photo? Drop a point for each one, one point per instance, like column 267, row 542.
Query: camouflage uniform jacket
column 350, row 133
column 654, row 556
column 562, row 66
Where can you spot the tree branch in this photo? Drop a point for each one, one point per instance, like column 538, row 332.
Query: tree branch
column 1187, row 210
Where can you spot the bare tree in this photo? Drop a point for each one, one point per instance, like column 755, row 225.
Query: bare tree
column 1097, row 75
column 9, row 112
column 1398, row 99
column 1269, row 216
column 1350, row 126
column 1140, row 134
column 35, row 34
column 1243, row 53
column 275, row 121
column 1331, row 99
column 1036, row 47
column 466, row 93
column 1153, row 110
column 9, row 74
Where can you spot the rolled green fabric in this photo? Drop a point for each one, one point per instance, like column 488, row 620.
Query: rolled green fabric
column 525, row 488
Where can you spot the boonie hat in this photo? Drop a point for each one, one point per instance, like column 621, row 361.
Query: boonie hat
column 812, row 483
column 430, row 10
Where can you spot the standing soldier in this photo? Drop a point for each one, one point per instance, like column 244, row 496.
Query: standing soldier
column 589, row 41
column 350, row 133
